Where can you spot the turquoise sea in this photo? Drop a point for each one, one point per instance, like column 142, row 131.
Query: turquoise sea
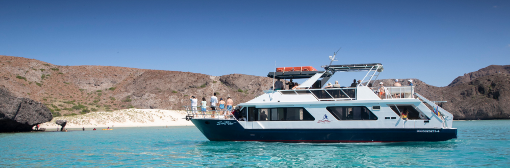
column 479, row 144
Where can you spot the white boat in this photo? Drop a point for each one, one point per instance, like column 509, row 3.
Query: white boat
column 314, row 113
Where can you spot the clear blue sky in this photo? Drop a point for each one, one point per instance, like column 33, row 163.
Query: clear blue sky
column 434, row 41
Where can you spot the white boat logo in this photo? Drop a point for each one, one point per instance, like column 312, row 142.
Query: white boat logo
column 225, row 123
column 427, row 131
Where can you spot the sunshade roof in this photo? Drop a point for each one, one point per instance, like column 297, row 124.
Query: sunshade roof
column 296, row 74
column 354, row 67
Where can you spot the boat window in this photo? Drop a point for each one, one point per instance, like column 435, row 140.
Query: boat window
column 351, row 113
column 412, row 113
column 279, row 114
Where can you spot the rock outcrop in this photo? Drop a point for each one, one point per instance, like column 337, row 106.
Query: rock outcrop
column 480, row 95
column 62, row 123
column 20, row 114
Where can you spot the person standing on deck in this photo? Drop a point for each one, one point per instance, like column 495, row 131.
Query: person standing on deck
column 278, row 85
column 194, row 103
column 214, row 101
column 204, row 106
column 381, row 90
column 230, row 103
column 222, row 107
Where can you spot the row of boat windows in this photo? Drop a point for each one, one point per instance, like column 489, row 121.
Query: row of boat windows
column 339, row 112
column 351, row 113
column 278, row 114
column 301, row 114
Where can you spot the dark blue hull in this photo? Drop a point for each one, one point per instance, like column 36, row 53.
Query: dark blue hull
column 231, row 130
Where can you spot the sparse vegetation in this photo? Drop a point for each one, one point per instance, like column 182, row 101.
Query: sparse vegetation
column 174, row 91
column 21, row 77
column 127, row 99
column 55, row 69
column 99, row 91
column 56, row 114
column 93, row 109
column 130, row 106
column 70, row 102
column 213, row 81
column 112, row 98
column 81, row 90
column 203, row 86
column 42, row 70
column 217, row 93
column 186, row 95
column 99, row 94
column 112, row 88
column 46, row 64
column 60, row 73
column 84, row 111
column 38, row 84
column 239, row 90
column 43, row 76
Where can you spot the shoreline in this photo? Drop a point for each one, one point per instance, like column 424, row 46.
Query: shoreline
column 122, row 118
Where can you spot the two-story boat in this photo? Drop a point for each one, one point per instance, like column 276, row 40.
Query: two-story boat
column 314, row 112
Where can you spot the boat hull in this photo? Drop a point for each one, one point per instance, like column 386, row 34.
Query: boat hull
column 231, row 130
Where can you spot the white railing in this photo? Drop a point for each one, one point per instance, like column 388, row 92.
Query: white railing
column 326, row 94
column 211, row 114
column 395, row 92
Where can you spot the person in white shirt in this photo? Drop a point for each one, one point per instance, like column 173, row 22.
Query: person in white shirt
column 194, row 103
column 214, row 101
column 336, row 85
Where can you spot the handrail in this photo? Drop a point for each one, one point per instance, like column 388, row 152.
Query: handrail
column 207, row 114
column 433, row 105
column 327, row 94
column 396, row 92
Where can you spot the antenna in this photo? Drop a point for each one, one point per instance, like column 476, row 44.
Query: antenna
column 274, row 73
column 332, row 58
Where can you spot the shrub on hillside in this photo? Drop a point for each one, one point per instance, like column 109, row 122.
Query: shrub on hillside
column 21, row 77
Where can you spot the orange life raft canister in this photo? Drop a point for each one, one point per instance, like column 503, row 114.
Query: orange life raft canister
column 290, row 69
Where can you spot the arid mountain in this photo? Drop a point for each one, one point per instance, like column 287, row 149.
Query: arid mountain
column 484, row 94
column 70, row 90
column 493, row 69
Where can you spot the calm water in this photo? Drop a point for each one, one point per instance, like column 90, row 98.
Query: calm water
column 480, row 144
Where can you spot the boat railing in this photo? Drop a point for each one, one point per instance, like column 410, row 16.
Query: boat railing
column 326, row 94
column 395, row 92
column 196, row 112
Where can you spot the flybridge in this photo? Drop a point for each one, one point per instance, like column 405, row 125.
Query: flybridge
column 374, row 69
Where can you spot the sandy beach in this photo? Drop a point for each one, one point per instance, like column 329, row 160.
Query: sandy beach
column 123, row 118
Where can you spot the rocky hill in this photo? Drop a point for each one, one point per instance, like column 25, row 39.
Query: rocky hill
column 71, row 90
column 493, row 69
column 483, row 94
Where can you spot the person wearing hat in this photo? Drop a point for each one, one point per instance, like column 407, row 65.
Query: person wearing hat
column 396, row 83
column 194, row 103
column 329, row 85
column 410, row 82
column 381, row 90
